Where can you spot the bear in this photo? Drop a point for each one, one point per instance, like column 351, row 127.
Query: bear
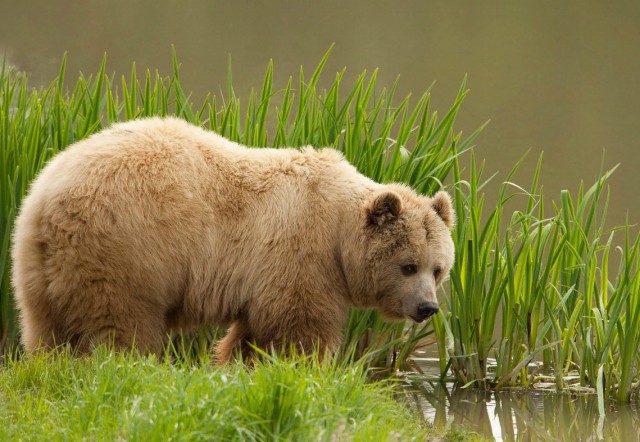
column 156, row 226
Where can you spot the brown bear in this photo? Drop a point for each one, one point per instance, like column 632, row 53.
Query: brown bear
column 157, row 225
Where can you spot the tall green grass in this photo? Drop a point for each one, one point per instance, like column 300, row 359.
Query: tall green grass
column 541, row 290
column 388, row 138
column 530, row 284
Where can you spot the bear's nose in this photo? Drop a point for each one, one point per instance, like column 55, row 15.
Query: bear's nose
column 426, row 309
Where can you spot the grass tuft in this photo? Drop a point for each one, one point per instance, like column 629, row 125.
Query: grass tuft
column 123, row 397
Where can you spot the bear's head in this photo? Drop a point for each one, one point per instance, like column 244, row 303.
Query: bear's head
column 404, row 252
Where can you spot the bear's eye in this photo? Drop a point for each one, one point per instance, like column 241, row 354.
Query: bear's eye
column 437, row 272
column 409, row 269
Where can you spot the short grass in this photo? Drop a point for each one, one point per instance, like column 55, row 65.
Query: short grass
column 110, row 397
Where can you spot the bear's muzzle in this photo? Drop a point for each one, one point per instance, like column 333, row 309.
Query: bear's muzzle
column 424, row 311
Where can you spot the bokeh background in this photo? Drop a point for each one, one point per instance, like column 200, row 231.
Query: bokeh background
column 558, row 77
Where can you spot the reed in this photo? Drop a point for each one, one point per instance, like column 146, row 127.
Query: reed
column 534, row 303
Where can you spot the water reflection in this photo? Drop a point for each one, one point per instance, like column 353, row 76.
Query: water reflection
column 525, row 416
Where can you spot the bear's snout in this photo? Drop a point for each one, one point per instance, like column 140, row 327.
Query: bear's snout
column 425, row 310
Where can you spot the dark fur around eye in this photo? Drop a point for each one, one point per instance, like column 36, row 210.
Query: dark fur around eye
column 437, row 272
column 409, row 269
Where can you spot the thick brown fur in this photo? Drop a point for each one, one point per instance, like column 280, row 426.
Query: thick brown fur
column 156, row 225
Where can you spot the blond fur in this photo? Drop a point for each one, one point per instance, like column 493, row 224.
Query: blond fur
column 156, row 225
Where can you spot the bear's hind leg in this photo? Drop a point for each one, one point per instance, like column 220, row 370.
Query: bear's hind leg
column 101, row 312
column 144, row 333
column 38, row 331
column 141, row 338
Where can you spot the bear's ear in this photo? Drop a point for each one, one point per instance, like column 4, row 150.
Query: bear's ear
column 441, row 204
column 384, row 207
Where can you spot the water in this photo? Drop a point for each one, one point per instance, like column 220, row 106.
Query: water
column 526, row 416
column 538, row 414
column 555, row 76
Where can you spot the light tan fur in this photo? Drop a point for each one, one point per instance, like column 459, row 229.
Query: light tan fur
column 156, row 225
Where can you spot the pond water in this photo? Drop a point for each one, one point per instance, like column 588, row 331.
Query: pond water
column 538, row 414
column 525, row 416
column 558, row 77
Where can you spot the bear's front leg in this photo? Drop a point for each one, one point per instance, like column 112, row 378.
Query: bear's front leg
column 238, row 342
column 304, row 328
column 234, row 341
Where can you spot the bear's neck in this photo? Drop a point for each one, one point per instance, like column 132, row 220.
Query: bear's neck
column 349, row 255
